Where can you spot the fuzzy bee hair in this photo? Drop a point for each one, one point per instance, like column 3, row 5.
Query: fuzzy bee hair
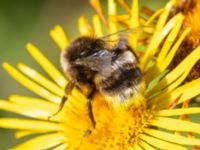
column 113, row 70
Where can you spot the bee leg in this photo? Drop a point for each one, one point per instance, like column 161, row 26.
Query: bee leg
column 89, row 102
column 68, row 90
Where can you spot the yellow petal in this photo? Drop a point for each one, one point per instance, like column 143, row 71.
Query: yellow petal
column 97, row 26
column 134, row 14
column 26, row 124
column 84, row 27
column 178, row 81
column 96, row 4
column 164, row 16
column 169, row 41
column 179, row 111
column 187, row 91
column 185, row 64
column 59, row 37
column 160, row 144
column 124, row 4
column 61, row 147
column 46, row 65
column 163, row 59
column 145, row 146
column 155, row 15
column 160, row 67
column 36, row 76
column 142, row 21
column 32, row 86
column 175, row 124
column 112, row 10
column 50, row 108
column 27, row 110
column 24, row 133
column 174, row 138
column 157, row 38
column 137, row 147
column 134, row 23
column 179, row 73
column 36, row 102
column 42, row 142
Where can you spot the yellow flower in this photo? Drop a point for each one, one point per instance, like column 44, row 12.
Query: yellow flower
column 152, row 121
column 191, row 11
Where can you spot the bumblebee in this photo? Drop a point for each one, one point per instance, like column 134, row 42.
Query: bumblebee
column 95, row 63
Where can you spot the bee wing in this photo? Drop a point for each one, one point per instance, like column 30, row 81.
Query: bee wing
column 96, row 61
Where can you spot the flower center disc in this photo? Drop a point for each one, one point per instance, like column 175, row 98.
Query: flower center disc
column 115, row 128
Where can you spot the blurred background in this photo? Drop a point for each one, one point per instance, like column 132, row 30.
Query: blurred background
column 23, row 21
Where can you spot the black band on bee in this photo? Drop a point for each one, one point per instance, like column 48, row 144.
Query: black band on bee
column 127, row 78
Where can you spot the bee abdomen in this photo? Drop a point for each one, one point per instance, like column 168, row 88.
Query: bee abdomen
column 121, row 81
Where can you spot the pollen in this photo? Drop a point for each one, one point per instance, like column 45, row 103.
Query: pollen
column 115, row 128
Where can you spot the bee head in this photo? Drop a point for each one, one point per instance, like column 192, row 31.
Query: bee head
column 80, row 60
column 83, row 47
